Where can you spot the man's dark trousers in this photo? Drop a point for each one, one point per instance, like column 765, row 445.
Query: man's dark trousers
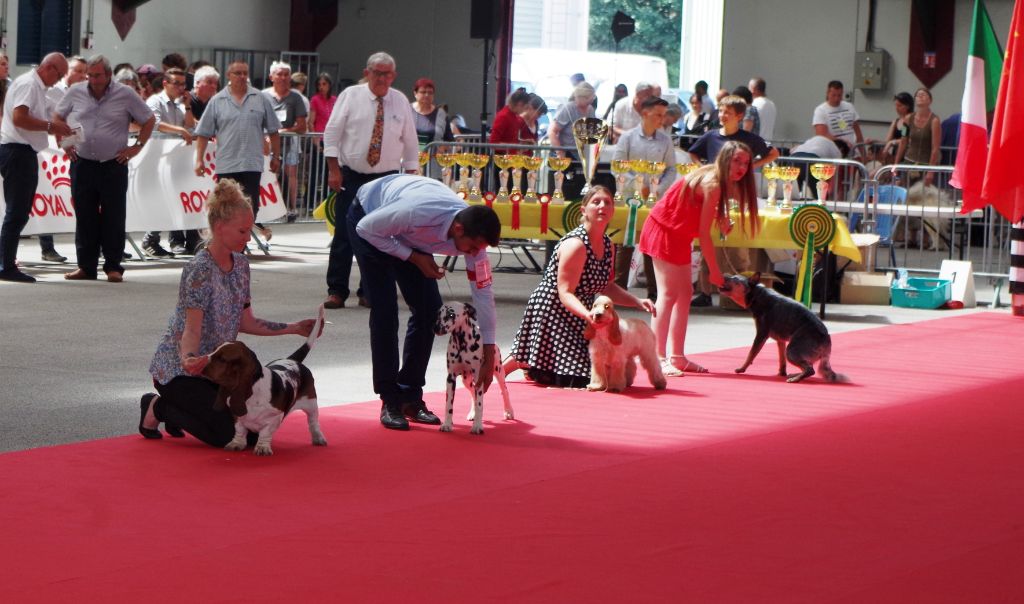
column 99, row 189
column 20, row 170
column 339, row 264
column 396, row 386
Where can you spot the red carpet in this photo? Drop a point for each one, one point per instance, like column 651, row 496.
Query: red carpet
column 904, row 486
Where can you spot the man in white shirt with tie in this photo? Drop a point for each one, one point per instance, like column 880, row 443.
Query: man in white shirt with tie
column 371, row 133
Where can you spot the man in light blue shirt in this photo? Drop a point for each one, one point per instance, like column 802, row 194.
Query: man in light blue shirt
column 396, row 225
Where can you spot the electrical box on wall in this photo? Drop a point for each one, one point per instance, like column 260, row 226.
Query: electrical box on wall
column 871, row 71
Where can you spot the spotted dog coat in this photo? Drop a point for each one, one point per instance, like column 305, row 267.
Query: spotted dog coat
column 801, row 336
column 260, row 397
column 465, row 355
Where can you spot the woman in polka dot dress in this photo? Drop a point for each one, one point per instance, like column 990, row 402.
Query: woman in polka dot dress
column 549, row 344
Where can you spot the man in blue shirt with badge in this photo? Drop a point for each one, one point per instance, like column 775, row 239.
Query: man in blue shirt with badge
column 396, row 226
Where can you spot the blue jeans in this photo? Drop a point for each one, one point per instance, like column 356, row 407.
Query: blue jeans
column 396, row 386
column 20, row 170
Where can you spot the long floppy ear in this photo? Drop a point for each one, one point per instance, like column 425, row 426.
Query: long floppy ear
column 239, row 395
column 221, row 402
column 614, row 333
column 470, row 311
column 589, row 332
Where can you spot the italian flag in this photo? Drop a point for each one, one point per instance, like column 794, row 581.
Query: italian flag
column 1004, row 180
column 984, row 64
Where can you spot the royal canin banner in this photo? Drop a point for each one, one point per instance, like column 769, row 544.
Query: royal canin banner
column 164, row 193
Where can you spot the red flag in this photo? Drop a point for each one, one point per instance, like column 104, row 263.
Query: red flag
column 1004, row 180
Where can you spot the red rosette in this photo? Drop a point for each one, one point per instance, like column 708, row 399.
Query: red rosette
column 489, row 198
column 545, row 202
column 515, row 211
column 462, row 195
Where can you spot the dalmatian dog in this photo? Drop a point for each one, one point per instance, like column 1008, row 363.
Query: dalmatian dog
column 465, row 355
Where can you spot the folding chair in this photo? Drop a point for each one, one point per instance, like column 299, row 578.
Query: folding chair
column 884, row 223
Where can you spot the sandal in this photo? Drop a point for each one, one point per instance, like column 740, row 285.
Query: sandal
column 669, row 369
column 690, row 366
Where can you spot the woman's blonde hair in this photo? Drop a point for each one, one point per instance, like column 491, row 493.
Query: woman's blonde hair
column 227, row 199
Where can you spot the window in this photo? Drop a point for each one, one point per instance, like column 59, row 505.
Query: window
column 44, row 26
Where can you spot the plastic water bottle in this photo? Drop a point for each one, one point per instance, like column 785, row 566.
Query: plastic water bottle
column 901, row 278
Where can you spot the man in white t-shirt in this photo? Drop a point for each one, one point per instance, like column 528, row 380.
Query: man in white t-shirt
column 765, row 108
column 836, row 118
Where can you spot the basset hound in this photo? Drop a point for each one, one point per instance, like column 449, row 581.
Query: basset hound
column 465, row 357
column 614, row 344
column 260, row 397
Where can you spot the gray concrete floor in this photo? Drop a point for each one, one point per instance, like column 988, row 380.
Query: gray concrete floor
column 74, row 356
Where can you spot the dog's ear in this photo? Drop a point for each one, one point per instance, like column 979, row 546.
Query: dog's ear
column 614, row 333
column 237, row 399
column 470, row 311
column 589, row 332
column 221, row 402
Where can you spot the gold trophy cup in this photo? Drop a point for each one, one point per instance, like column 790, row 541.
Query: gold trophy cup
column 446, row 161
column 787, row 174
column 770, row 173
column 503, row 163
column 823, row 172
column 558, row 165
column 532, row 164
column 478, row 161
column 589, row 134
column 656, row 169
column 620, row 168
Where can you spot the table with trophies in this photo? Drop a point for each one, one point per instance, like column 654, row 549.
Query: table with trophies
column 532, row 216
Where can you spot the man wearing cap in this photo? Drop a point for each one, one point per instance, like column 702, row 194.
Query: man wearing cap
column 371, row 134
column 103, row 110
column 23, row 133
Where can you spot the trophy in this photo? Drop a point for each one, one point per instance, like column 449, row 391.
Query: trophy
column 823, row 172
column 787, row 174
column 503, row 163
column 423, row 159
column 463, row 160
column 532, row 164
column 770, row 172
column 517, row 175
column 642, row 168
column 559, row 164
column 478, row 161
column 446, row 161
column 655, row 169
column 589, row 134
column 620, row 168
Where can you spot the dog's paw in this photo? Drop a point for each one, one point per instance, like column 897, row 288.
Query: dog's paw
column 262, row 449
column 471, row 415
column 740, row 370
column 660, row 384
column 235, row 445
column 476, row 430
column 319, row 441
column 445, row 427
column 510, row 415
column 594, row 387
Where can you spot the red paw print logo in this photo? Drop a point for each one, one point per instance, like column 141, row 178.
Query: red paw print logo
column 56, row 170
column 208, row 162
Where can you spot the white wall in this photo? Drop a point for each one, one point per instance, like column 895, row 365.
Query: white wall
column 428, row 38
column 163, row 26
column 797, row 46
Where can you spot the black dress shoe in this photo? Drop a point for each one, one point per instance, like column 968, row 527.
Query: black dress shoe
column 421, row 415
column 147, row 432
column 16, row 276
column 173, row 430
column 392, row 420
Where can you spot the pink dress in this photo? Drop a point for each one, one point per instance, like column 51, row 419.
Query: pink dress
column 672, row 225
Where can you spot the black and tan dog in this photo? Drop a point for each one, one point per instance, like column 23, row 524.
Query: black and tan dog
column 802, row 338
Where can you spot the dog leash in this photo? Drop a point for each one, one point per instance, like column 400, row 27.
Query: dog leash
column 451, row 292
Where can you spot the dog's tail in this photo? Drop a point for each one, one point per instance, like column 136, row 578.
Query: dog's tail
column 300, row 355
column 831, row 376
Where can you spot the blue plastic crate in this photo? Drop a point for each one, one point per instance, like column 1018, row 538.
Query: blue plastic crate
column 922, row 292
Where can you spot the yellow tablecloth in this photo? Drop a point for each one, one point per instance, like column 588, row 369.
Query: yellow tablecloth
column 774, row 233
